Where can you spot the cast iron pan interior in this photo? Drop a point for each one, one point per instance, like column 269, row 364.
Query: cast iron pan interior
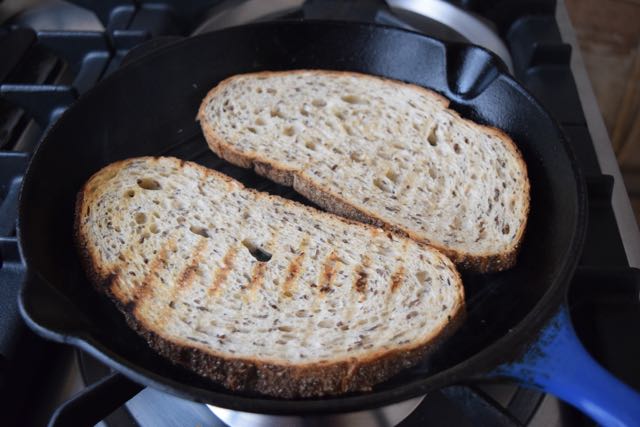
column 149, row 107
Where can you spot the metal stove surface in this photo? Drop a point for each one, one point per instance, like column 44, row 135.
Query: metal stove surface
column 101, row 42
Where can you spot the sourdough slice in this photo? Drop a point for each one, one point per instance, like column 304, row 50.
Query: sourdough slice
column 378, row 151
column 257, row 292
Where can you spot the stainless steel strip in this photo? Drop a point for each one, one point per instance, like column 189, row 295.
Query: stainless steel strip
column 606, row 158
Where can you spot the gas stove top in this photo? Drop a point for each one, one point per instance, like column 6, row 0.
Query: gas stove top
column 54, row 51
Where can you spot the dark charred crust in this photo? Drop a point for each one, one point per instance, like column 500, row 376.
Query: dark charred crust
column 288, row 381
column 294, row 381
column 129, row 307
column 109, row 281
column 281, row 380
column 281, row 176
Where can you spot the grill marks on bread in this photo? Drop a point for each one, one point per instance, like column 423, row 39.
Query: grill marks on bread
column 143, row 291
column 183, row 281
column 360, row 284
column 323, row 298
column 328, row 272
column 223, row 271
column 294, row 268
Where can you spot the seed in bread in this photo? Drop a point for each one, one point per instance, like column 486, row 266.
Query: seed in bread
column 378, row 151
column 256, row 292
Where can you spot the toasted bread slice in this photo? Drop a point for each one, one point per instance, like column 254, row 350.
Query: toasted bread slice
column 378, row 151
column 257, row 292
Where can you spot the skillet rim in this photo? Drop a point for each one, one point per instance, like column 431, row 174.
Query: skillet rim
column 470, row 369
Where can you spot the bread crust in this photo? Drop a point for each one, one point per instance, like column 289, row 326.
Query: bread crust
column 481, row 263
column 251, row 375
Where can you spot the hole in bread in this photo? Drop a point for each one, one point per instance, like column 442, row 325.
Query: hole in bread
column 260, row 121
column 255, row 251
column 339, row 115
column 456, row 148
column 271, row 91
column 301, row 313
column 505, row 229
column 252, row 130
column 145, row 236
column 382, row 184
column 201, row 231
column 140, row 218
column 318, row 103
column 412, row 314
column 356, row 156
column 258, row 90
column 154, row 229
column 275, row 112
column 325, row 324
column 285, row 328
column 289, row 131
column 392, row 176
column 432, row 138
column 149, row 184
column 456, row 224
column 422, row 276
column 130, row 193
column 352, row 99
column 310, row 145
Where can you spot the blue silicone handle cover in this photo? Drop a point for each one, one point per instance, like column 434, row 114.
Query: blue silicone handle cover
column 557, row 363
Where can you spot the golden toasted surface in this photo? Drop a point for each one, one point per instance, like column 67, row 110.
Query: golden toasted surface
column 253, row 285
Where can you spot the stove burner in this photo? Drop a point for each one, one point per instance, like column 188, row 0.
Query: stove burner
column 381, row 417
column 432, row 17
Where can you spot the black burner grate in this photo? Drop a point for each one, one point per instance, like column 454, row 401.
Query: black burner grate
column 42, row 72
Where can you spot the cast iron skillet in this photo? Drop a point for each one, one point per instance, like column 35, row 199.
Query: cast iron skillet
column 148, row 108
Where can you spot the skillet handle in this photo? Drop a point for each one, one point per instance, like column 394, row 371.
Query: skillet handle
column 557, row 363
column 48, row 312
column 95, row 402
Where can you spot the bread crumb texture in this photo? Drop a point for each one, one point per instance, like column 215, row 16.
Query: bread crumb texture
column 392, row 151
column 200, row 262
